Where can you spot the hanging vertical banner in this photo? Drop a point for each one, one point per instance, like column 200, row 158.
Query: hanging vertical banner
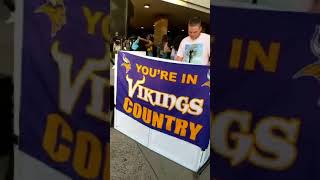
column 64, row 81
column 266, row 95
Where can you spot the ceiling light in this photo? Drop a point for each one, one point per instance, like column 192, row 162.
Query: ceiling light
column 146, row 6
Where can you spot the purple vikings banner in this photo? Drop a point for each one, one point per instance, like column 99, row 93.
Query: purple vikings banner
column 64, row 94
column 168, row 97
column 266, row 95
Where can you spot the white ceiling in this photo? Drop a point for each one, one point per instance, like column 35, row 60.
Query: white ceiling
column 178, row 16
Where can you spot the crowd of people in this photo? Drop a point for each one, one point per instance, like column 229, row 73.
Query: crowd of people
column 167, row 49
column 194, row 48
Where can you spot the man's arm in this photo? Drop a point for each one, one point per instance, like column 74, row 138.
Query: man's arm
column 143, row 39
column 149, row 42
column 180, row 52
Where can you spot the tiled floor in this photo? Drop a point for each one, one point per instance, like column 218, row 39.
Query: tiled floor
column 127, row 161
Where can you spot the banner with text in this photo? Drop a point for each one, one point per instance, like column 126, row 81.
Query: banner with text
column 64, row 90
column 266, row 94
column 168, row 97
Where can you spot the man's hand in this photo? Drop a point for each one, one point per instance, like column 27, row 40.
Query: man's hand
column 179, row 58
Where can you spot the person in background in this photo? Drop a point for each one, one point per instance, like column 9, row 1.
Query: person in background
column 126, row 44
column 175, row 46
column 154, row 50
column 195, row 48
column 115, row 44
column 148, row 44
column 164, row 48
column 173, row 53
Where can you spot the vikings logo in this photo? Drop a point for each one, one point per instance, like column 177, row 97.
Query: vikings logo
column 312, row 70
column 126, row 64
column 208, row 82
column 56, row 11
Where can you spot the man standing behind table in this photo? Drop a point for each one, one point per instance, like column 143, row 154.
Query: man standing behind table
column 195, row 48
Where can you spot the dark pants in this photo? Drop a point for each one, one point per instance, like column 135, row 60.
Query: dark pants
column 6, row 128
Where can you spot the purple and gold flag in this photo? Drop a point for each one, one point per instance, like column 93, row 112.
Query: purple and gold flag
column 171, row 98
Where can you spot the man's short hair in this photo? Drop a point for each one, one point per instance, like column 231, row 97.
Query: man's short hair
column 194, row 21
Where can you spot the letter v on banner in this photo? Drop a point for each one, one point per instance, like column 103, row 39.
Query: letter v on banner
column 70, row 91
